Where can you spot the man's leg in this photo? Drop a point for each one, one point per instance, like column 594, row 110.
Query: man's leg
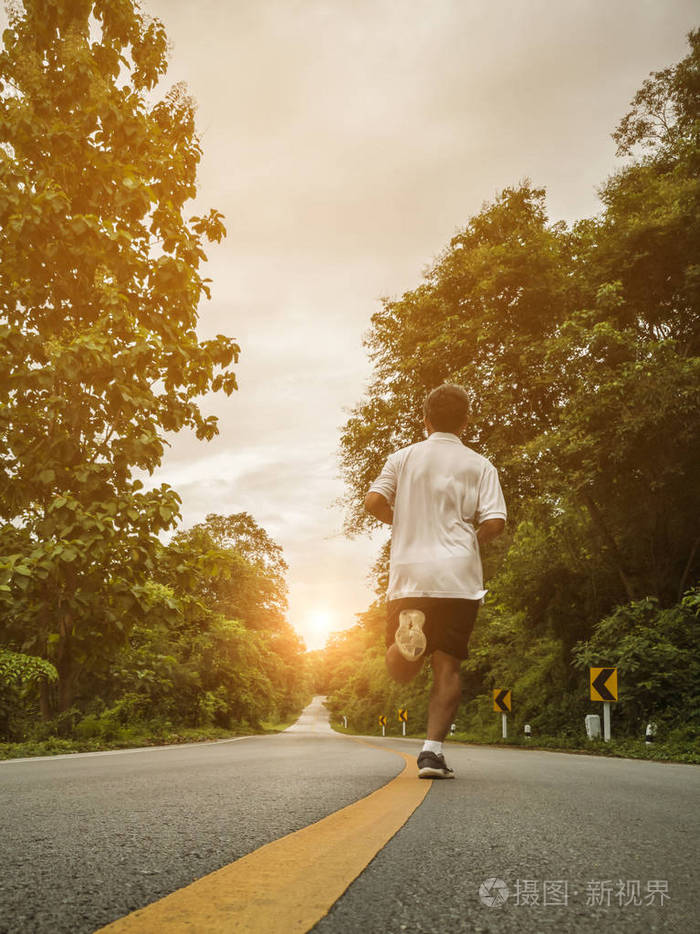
column 444, row 696
column 444, row 701
column 399, row 668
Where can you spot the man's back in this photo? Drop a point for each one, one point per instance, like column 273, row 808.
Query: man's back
column 440, row 491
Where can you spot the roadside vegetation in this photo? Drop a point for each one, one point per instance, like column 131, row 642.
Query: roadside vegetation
column 109, row 635
column 681, row 746
column 580, row 348
column 214, row 656
column 112, row 734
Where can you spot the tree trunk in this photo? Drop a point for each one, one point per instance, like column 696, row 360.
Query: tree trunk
column 686, row 570
column 598, row 522
column 64, row 665
column 44, row 700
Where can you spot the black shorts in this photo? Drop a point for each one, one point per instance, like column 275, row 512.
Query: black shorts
column 448, row 622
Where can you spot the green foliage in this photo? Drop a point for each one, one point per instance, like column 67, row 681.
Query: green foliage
column 18, row 674
column 90, row 738
column 183, row 664
column 657, row 653
column 228, row 569
column 677, row 748
column 248, row 581
column 100, row 288
column 664, row 114
column 14, row 666
column 100, row 285
column 189, row 662
column 482, row 319
column 579, row 350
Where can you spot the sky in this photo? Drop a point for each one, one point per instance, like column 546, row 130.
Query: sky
column 346, row 142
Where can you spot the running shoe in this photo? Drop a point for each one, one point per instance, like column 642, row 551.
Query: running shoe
column 410, row 639
column 432, row 765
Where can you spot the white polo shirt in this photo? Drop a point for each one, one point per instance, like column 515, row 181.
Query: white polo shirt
column 441, row 491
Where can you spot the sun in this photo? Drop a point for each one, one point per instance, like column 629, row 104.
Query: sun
column 316, row 625
column 321, row 621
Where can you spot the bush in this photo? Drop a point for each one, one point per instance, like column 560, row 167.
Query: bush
column 657, row 653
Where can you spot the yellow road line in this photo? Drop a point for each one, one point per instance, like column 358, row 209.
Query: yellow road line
column 290, row 884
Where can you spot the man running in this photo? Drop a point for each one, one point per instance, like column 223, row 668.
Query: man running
column 443, row 501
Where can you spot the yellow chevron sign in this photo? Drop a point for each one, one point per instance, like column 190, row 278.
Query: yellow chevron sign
column 603, row 684
column 403, row 714
column 502, row 701
column 382, row 720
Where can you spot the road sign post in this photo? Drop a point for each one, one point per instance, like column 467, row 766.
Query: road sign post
column 382, row 722
column 345, row 721
column 603, row 683
column 504, row 725
column 403, row 717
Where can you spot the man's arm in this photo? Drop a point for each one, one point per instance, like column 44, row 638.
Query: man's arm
column 376, row 505
column 488, row 530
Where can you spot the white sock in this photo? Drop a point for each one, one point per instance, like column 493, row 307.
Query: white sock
column 431, row 745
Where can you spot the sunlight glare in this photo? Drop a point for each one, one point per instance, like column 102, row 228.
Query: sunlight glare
column 321, row 621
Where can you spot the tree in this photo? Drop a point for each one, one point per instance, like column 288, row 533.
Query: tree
column 100, row 286
column 482, row 319
column 665, row 110
column 627, row 444
column 251, row 583
column 228, row 569
column 580, row 350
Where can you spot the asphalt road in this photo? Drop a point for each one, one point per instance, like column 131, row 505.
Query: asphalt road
column 532, row 819
column 86, row 839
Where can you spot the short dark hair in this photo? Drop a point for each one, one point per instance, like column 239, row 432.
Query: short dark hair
column 447, row 407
